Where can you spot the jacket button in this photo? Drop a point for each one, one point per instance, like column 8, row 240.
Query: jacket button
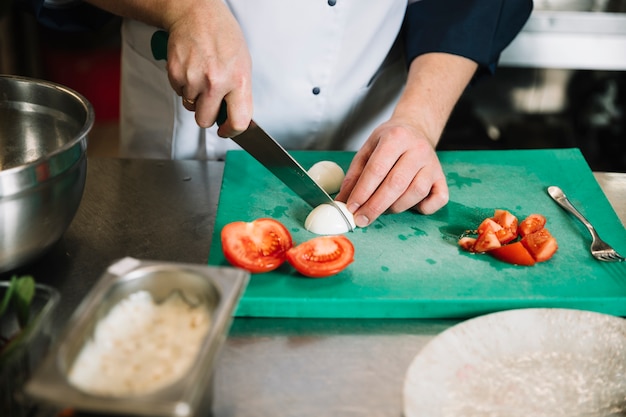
column 316, row 90
column 332, row 2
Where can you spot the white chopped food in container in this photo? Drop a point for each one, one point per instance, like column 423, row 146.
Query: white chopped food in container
column 141, row 346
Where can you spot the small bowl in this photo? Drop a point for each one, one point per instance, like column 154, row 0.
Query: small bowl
column 23, row 353
column 217, row 289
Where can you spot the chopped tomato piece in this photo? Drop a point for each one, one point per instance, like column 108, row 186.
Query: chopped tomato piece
column 540, row 244
column 531, row 224
column 513, row 253
column 508, row 224
column 498, row 236
column 504, row 218
column 322, row 256
column 467, row 243
column 486, row 241
column 488, row 224
column 257, row 246
column 505, row 235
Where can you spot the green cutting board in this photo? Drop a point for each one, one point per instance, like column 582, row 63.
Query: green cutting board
column 408, row 265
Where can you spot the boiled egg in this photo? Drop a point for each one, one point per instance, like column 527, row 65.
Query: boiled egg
column 326, row 219
column 328, row 175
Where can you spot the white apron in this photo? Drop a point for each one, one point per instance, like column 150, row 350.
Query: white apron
column 323, row 77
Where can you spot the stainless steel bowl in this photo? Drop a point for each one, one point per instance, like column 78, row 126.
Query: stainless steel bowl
column 43, row 165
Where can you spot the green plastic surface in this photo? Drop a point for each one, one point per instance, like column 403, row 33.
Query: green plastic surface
column 409, row 265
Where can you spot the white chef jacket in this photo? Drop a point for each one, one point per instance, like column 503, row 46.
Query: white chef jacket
column 325, row 73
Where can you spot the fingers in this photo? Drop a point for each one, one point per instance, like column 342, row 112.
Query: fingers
column 208, row 62
column 207, row 103
column 189, row 103
column 401, row 172
column 352, row 175
column 436, row 199
column 380, row 184
column 239, row 108
column 399, row 192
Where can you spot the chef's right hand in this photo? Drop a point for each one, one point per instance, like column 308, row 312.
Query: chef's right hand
column 208, row 61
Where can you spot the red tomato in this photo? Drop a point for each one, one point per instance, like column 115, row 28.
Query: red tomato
column 508, row 223
column 486, row 241
column 496, row 233
column 531, row 224
column 257, row 246
column 467, row 243
column 513, row 253
column 322, row 256
column 541, row 244
column 488, row 224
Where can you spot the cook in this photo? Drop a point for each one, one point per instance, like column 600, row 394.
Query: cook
column 377, row 77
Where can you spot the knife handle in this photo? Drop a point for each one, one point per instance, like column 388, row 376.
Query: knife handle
column 158, row 45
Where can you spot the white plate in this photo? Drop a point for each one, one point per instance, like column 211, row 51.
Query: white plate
column 526, row 362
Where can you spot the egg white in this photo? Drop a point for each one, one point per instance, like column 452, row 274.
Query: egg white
column 325, row 219
column 328, row 175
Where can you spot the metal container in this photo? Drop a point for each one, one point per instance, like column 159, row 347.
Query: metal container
column 43, row 165
column 215, row 288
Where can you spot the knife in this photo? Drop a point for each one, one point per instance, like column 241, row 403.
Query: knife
column 265, row 149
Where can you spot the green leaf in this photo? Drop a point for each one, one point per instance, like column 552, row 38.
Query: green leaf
column 24, row 293
column 6, row 300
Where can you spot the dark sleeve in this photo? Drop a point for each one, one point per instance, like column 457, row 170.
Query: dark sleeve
column 475, row 29
column 71, row 16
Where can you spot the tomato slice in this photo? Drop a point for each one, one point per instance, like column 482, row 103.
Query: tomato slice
column 257, row 246
column 467, row 243
column 488, row 224
column 508, row 224
column 322, row 256
column 531, row 224
column 498, row 235
column 540, row 244
column 486, row 241
column 513, row 253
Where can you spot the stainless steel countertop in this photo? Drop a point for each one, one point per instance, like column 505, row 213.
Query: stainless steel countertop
column 165, row 210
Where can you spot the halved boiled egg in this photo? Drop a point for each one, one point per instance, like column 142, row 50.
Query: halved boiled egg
column 326, row 219
column 328, row 175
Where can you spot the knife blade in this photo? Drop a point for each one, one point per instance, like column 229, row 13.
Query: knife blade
column 266, row 150
column 279, row 162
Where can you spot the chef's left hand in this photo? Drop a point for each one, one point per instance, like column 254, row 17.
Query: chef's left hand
column 396, row 169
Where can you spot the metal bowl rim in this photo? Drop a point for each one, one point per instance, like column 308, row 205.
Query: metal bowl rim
column 80, row 136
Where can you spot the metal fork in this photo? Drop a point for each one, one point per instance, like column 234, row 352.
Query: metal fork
column 600, row 250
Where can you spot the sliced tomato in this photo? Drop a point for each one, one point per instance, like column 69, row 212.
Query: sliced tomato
column 508, row 223
column 531, row 224
column 488, row 224
column 513, row 253
column 540, row 244
column 467, row 243
column 486, row 241
column 322, row 256
column 257, row 246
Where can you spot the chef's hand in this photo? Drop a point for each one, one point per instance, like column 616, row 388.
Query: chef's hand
column 207, row 56
column 397, row 167
column 207, row 62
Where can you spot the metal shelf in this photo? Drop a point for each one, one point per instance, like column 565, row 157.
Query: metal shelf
column 570, row 40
